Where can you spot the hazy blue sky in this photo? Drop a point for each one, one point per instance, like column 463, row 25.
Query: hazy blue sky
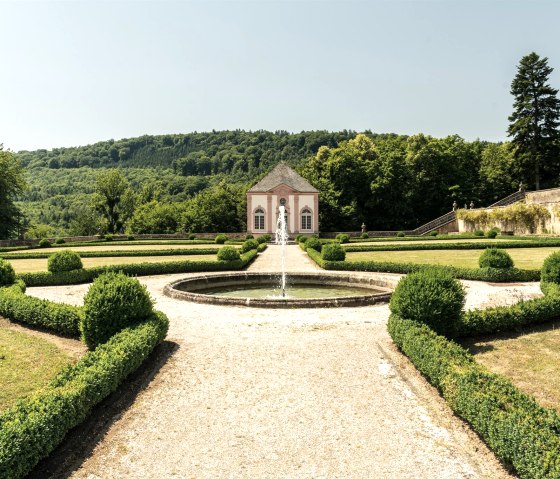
column 77, row 72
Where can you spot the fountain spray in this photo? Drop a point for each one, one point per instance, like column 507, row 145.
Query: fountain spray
column 282, row 239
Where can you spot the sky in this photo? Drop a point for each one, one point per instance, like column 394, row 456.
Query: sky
column 73, row 73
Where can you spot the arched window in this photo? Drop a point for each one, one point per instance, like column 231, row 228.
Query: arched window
column 259, row 219
column 306, row 216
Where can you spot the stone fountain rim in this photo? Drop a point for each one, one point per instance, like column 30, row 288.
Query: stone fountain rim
column 224, row 279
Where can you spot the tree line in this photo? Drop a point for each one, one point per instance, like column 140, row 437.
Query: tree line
column 197, row 181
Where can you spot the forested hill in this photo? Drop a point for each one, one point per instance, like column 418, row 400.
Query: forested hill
column 390, row 181
column 242, row 155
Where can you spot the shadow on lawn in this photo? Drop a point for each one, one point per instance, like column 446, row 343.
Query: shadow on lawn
column 482, row 344
column 80, row 442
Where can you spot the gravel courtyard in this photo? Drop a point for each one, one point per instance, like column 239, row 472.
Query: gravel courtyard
column 252, row 393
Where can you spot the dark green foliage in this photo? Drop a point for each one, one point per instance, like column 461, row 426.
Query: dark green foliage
column 156, row 218
column 401, row 234
column 192, row 237
column 478, row 233
column 221, row 238
column 343, row 238
column 365, row 235
column 249, row 236
column 67, row 260
column 229, row 253
column 12, row 185
column 495, row 258
column 313, row 243
column 108, row 237
column 17, row 306
column 434, row 233
column 249, row 244
column 44, row 243
column 263, row 239
column 132, row 238
column 491, row 234
column 431, row 296
column 303, row 239
column 550, row 272
column 60, row 241
column 7, row 273
column 520, row 432
column 113, row 302
column 33, row 428
column 333, row 252
column 535, row 120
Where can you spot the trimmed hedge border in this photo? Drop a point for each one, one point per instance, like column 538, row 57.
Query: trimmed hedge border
column 519, row 431
column 17, row 306
column 87, row 275
column 492, row 275
column 454, row 237
column 116, row 253
column 461, row 246
column 36, row 425
column 507, row 318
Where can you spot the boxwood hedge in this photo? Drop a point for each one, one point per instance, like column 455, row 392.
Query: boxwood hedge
column 17, row 306
column 117, row 253
column 520, row 432
column 36, row 425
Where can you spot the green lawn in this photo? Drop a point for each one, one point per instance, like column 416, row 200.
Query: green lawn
column 530, row 359
column 27, row 363
column 524, row 258
column 34, row 265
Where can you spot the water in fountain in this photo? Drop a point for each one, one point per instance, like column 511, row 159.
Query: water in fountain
column 282, row 239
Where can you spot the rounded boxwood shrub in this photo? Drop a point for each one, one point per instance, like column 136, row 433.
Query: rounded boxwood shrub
column 249, row 245
column 333, row 252
column 495, row 258
column 550, row 272
column 192, row 237
column 431, row 296
column 343, row 238
column 365, row 236
column 109, row 237
column 130, row 238
column 313, row 243
column 478, row 233
column 44, row 243
column 492, row 233
column 220, row 239
column 113, row 302
column 401, row 234
column 228, row 253
column 249, row 236
column 7, row 273
column 433, row 233
column 59, row 241
column 67, row 260
column 303, row 239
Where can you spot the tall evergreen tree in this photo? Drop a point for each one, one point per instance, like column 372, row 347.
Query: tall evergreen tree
column 535, row 119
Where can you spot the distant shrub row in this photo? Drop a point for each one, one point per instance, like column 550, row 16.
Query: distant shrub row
column 493, row 275
column 87, row 275
column 520, row 243
column 117, row 253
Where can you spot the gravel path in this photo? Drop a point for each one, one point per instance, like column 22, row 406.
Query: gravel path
column 253, row 393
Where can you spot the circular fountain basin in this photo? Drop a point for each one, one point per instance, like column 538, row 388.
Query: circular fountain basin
column 262, row 290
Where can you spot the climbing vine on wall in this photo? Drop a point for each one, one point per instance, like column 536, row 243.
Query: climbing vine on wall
column 516, row 216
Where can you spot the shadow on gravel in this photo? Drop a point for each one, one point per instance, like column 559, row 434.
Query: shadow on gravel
column 80, row 442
